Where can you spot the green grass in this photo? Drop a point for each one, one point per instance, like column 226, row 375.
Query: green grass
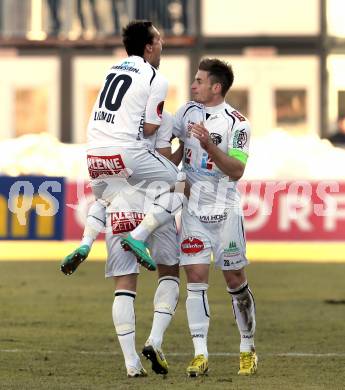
column 56, row 332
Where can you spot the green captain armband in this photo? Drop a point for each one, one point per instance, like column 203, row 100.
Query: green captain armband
column 239, row 155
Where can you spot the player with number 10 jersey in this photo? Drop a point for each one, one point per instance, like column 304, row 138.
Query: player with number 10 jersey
column 133, row 93
column 127, row 111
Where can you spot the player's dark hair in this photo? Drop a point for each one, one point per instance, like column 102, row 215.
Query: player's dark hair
column 219, row 72
column 136, row 35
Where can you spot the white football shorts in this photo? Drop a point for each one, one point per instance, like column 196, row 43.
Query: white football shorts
column 163, row 244
column 113, row 168
column 223, row 235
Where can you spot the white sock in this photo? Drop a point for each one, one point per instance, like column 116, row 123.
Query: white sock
column 198, row 314
column 95, row 223
column 165, row 207
column 124, row 322
column 165, row 302
column 244, row 311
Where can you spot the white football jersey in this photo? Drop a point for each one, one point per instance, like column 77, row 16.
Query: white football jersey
column 162, row 137
column 230, row 131
column 133, row 93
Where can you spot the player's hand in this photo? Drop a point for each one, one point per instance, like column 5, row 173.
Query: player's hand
column 201, row 133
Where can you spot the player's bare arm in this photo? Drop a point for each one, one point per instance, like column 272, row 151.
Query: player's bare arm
column 177, row 156
column 166, row 152
column 150, row 129
column 229, row 165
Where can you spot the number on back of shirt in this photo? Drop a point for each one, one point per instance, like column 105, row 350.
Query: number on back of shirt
column 114, row 90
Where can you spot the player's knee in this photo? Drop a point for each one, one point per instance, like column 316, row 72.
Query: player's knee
column 197, row 273
column 235, row 278
column 168, row 270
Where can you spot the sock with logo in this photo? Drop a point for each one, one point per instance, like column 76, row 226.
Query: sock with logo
column 244, row 311
column 198, row 314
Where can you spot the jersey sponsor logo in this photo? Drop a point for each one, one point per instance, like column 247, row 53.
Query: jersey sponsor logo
column 202, row 172
column 216, row 138
column 231, row 250
column 240, row 117
column 216, row 218
column 206, row 161
column 240, row 139
column 192, row 245
column 127, row 66
column 160, row 109
column 187, row 155
column 104, row 165
column 122, row 222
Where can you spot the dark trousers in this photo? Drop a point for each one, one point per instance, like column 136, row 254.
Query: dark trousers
column 93, row 11
column 54, row 6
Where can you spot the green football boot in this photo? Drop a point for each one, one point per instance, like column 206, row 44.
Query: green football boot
column 139, row 248
column 71, row 262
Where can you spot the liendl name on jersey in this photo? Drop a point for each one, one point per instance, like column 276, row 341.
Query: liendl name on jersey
column 104, row 116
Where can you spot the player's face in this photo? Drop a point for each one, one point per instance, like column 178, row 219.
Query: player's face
column 202, row 89
column 156, row 48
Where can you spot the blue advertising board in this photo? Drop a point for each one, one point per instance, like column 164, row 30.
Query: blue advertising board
column 31, row 208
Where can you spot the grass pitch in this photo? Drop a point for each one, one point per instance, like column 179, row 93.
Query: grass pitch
column 56, row 332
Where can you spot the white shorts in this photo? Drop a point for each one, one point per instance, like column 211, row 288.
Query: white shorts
column 128, row 199
column 111, row 169
column 163, row 246
column 221, row 234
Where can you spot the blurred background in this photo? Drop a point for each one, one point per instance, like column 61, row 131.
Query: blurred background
column 288, row 59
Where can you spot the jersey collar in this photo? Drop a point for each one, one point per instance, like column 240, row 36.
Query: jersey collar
column 214, row 109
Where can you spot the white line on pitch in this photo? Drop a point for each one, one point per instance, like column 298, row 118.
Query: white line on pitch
column 231, row 354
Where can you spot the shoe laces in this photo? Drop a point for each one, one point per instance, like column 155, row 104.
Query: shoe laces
column 246, row 359
column 199, row 359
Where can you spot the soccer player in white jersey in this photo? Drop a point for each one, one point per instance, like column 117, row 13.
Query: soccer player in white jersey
column 121, row 218
column 127, row 110
column 215, row 139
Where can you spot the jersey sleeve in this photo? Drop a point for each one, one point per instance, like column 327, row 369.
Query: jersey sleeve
column 155, row 103
column 238, row 145
column 164, row 133
column 178, row 124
